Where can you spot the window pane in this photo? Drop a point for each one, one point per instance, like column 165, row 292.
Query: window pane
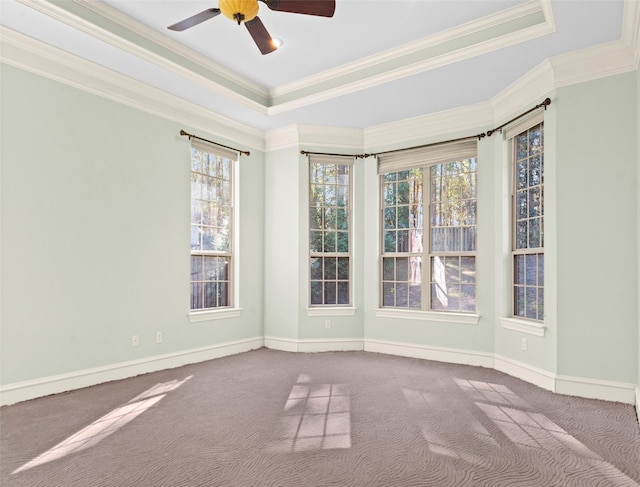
column 223, row 294
column 531, row 268
column 343, row 293
column 402, row 269
column 469, row 239
column 535, row 201
column 330, row 296
column 316, row 268
column 540, row 269
column 403, row 217
column 210, row 294
column 519, row 301
column 196, row 268
column 415, row 296
column 388, row 268
column 521, row 205
column 315, row 218
column 315, row 241
column 343, row 268
column 196, row 295
column 532, row 303
column 437, row 240
column 390, row 241
column 329, row 241
column 210, row 268
column 343, row 242
column 195, row 238
column 402, row 295
column 403, row 240
column 388, row 294
column 468, row 269
column 316, row 292
column 343, row 219
column 330, row 268
column 521, row 235
column 468, row 298
column 330, row 218
column 534, row 233
column 518, row 269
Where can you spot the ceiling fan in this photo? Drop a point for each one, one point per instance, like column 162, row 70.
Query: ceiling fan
column 246, row 11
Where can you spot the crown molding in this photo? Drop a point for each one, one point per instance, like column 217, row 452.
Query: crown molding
column 42, row 59
column 596, row 62
column 527, row 90
column 318, row 137
column 80, row 24
column 631, row 28
column 462, row 120
column 281, row 138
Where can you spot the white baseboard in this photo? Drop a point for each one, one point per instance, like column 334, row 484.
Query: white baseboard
column 596, row 389
column 23, row 391
column 282, row 344
column 439, row 354
column 528, row 373
column 314, row 345
column 577, row 386
column 335, row 345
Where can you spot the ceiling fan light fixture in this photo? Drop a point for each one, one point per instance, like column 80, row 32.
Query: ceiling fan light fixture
column 239, row 10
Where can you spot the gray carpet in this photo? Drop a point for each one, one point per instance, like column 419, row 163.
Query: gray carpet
column 269, row 418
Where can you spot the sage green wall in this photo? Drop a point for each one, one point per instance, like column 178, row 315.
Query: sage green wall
column 281, row 250
column 95, row 233
column 597, row 229
column 286, row 252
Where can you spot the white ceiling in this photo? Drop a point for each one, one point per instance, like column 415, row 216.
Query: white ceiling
column 374, row 62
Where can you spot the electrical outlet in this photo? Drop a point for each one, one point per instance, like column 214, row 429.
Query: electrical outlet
column 327, row 324
column 135, row 340
column 158, row 337
column 524, row 344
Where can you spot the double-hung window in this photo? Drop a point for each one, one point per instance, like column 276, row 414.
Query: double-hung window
column 330, row 203
column 212, row 273
column 528, row 218
column 429, row 225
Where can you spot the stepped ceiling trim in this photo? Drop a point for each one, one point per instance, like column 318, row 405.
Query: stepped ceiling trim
column 503, row 29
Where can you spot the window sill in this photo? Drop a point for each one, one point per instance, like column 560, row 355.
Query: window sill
column 332, row 311
column 215, row 314
column 524, row 326
column 460, row 318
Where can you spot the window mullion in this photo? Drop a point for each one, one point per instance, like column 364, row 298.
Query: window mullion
column 426, row 239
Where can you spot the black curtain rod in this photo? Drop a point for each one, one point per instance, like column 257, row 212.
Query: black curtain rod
column 191, row 136
column 357, row 156
column 544, row 104
column 479, row 136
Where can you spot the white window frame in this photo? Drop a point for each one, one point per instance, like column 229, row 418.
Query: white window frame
column 517, row 322
column 331, row 309
column 424, row 158
column 229, row 309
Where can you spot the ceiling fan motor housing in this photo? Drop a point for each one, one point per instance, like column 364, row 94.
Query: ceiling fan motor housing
column 239, row 10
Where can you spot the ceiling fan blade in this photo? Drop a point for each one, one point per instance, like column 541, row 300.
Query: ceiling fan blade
column 195, row 20
column 322, row 8
column 260, row 35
